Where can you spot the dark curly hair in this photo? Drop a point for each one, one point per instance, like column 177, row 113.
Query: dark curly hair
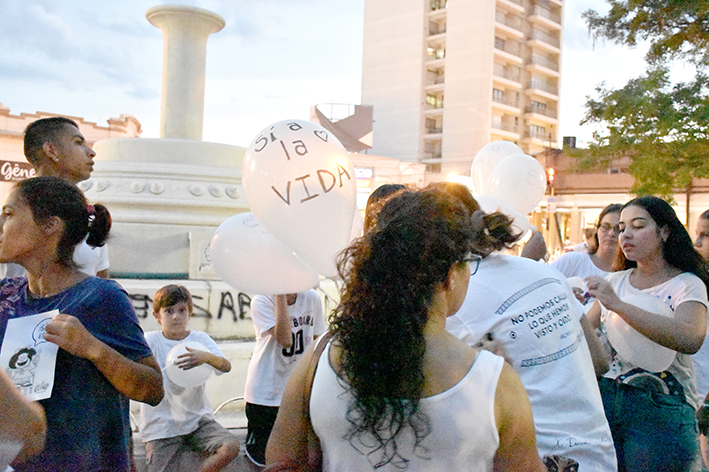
column 376, row 201
column 678, row 251
column 52, row 196
column 494, row 230
column 390, row 277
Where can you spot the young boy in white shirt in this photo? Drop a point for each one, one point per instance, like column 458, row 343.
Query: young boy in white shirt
column 183, row 419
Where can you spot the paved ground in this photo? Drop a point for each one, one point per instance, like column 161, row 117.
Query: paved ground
column 234, row 421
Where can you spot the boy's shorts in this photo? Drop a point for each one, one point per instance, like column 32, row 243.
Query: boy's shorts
column 260, row 423
column 165, row 455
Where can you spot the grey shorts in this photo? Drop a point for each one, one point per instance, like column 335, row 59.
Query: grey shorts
column 169, row 454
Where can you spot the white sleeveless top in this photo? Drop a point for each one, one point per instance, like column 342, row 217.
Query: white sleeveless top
column 463, row 433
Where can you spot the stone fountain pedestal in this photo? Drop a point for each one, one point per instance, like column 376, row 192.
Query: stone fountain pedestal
column 167, row 196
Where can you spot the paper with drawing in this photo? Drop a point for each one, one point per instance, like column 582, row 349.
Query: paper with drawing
column 27, row 358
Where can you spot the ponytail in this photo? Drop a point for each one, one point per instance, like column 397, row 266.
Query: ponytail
column 99, row 226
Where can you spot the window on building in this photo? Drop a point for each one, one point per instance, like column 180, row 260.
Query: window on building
column 536, row 131
column 434, row 101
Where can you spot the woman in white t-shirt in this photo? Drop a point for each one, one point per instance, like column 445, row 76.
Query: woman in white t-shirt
column 651, row 414
column 598, row 261
column 394, row 390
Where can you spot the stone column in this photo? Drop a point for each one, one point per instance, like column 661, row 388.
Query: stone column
column 185, row 32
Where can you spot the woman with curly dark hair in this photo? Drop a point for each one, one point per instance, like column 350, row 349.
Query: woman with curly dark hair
column 394, row 390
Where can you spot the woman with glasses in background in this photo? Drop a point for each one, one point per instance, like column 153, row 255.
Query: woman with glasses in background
column 526, row 311
column 598, row 261
column 394, row 390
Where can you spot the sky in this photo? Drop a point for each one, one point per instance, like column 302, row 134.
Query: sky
column 97, row 59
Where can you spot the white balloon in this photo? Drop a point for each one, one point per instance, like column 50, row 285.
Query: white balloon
column 633, row 346
column 519, row 180
column 486, row 159
column 490, row 204
column 186, row 378
column 251, row 259
column 300, row 184
column 577, row 282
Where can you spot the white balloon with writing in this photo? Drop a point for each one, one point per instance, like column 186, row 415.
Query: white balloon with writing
column 300, row 184
column 251, row 259
column 186, row 378
column 519, row 180
column 633, row 346
column 486, row 159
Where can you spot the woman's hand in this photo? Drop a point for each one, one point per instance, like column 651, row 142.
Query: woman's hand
column 69, row 333
column 602, row 290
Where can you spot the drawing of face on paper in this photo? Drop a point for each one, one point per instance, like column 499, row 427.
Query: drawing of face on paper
column 27, row 357
column 21, row 369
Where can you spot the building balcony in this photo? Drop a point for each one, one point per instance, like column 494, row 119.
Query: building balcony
column 544, row 115
column 507, row 104
column 509, row 51
column 540, row 135
column 434, row 130
column 543, row 89
column 437, row 40
column 544, row 16
column 431, row 112
column 498, row 134
column 435, row 29
column 507, row 75
column 435, row 79
column 512, row 26
column 434, row 89
column 513, row 5
column 543, row 66
column 549, row 112
column 540, row 40
column 431, row 157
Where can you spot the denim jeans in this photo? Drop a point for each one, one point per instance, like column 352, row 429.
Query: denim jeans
column 651, row 431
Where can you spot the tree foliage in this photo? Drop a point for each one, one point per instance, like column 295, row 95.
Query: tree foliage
column 663, row 127
column 676, row 29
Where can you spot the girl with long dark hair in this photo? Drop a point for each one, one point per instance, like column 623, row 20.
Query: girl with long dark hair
column 651, row 414
column 103, row 359
column 394, row 390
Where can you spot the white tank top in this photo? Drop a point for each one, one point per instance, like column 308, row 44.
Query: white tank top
column 463, row 433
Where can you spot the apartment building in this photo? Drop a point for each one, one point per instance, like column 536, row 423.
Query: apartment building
column 446, row 77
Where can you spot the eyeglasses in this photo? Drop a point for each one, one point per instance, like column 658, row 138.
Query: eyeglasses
column 473, row 261
column 607, row 228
